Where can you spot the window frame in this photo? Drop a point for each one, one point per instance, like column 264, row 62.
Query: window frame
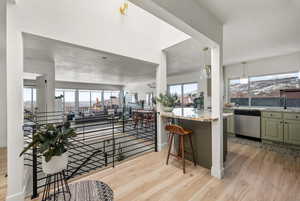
column 182, row 92
column 249, row 77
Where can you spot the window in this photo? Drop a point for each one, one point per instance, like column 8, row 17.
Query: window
column 84, row 98
column 59, row 103
column 149, row 97
column 69, row 100
column 189, row 93
column 176, row 90
column 29, row 99
column 111, row 98
column 262, row 90
column 185, row 92
column 238, row 91
column 96, row 99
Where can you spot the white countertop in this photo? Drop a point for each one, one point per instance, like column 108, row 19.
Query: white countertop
column 192, row 114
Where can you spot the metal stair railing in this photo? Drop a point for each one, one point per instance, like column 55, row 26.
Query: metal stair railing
column 100, row 144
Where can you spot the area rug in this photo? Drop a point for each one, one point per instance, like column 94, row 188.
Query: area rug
column 88, row 191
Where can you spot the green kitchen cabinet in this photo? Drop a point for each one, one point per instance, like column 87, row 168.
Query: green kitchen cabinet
column 272, row 129
column 292, row 132
column 230, row 122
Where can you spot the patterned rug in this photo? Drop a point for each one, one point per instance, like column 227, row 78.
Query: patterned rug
column 89, row 191
column 278, row 148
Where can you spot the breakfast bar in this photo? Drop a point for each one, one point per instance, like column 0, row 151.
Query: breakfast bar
column 199, row 121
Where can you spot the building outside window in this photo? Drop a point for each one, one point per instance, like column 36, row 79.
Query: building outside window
column 189, row 93
column 185, row 92
column 263, row 90
column 96, row 99
column 111, row 98
column 176, row 90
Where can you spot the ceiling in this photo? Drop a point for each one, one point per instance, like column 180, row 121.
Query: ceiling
column 80, row 64
column 256, row 29
column 185, row 57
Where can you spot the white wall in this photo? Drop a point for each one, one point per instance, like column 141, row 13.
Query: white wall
column 96, row 24
column 3, row 138
column 272, row 65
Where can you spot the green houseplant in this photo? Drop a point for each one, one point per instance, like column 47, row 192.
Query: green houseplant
column 168, row 101
column 51, row 142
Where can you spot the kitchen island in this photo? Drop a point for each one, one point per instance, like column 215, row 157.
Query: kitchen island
column 199, row 122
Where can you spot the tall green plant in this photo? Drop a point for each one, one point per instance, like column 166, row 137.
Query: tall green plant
column 51, row 140
column 167, row 100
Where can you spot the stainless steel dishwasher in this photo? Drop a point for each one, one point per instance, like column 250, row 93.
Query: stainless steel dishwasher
column 247, row 123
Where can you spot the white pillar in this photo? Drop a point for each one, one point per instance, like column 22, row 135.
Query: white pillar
column 77, row 101
column 15, row 142
column 3, row 97
column 161, row 87
column 217, row 169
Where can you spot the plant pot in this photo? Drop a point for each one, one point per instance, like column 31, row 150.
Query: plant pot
column 56, row 164
column 168, row 109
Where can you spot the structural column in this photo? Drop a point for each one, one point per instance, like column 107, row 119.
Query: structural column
column 217, row 169
column 161, row 87
column 15, row 142
column 3, row 137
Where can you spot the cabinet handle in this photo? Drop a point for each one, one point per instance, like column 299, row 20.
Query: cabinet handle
column 296, row 117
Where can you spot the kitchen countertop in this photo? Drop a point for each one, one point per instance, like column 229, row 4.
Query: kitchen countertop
column 193, row 114
column 264, row 109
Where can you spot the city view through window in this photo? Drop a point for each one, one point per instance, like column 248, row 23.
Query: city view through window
column 185, row 93
column 263, row 90
column 66, row 99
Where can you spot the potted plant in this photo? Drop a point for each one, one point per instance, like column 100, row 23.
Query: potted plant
column 168, row 101
column 51, row 142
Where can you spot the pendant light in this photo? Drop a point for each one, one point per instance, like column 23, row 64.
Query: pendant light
column 206, row 70
column 244, row 78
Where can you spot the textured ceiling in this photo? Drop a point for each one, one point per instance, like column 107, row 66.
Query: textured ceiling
column 80, row 64
column 256, row 29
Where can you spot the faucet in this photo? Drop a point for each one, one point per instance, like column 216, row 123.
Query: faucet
column 285, row 102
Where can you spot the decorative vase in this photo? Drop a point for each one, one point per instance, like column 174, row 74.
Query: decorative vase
column 56, row 164
column 168, row 109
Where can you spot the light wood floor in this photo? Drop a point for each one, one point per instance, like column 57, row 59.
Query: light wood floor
column 252, row 174
column 2, row 174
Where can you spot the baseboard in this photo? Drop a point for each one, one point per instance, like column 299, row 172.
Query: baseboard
column 17, row 197
column 218, row 173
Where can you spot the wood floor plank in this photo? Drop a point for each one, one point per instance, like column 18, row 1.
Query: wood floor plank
column 251, row 174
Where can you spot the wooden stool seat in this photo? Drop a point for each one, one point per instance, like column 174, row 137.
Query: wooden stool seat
column 181, row 132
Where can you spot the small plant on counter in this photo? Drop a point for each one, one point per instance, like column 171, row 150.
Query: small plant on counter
column 168, row 101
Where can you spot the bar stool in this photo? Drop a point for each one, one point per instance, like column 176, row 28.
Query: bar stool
column 181, row 132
